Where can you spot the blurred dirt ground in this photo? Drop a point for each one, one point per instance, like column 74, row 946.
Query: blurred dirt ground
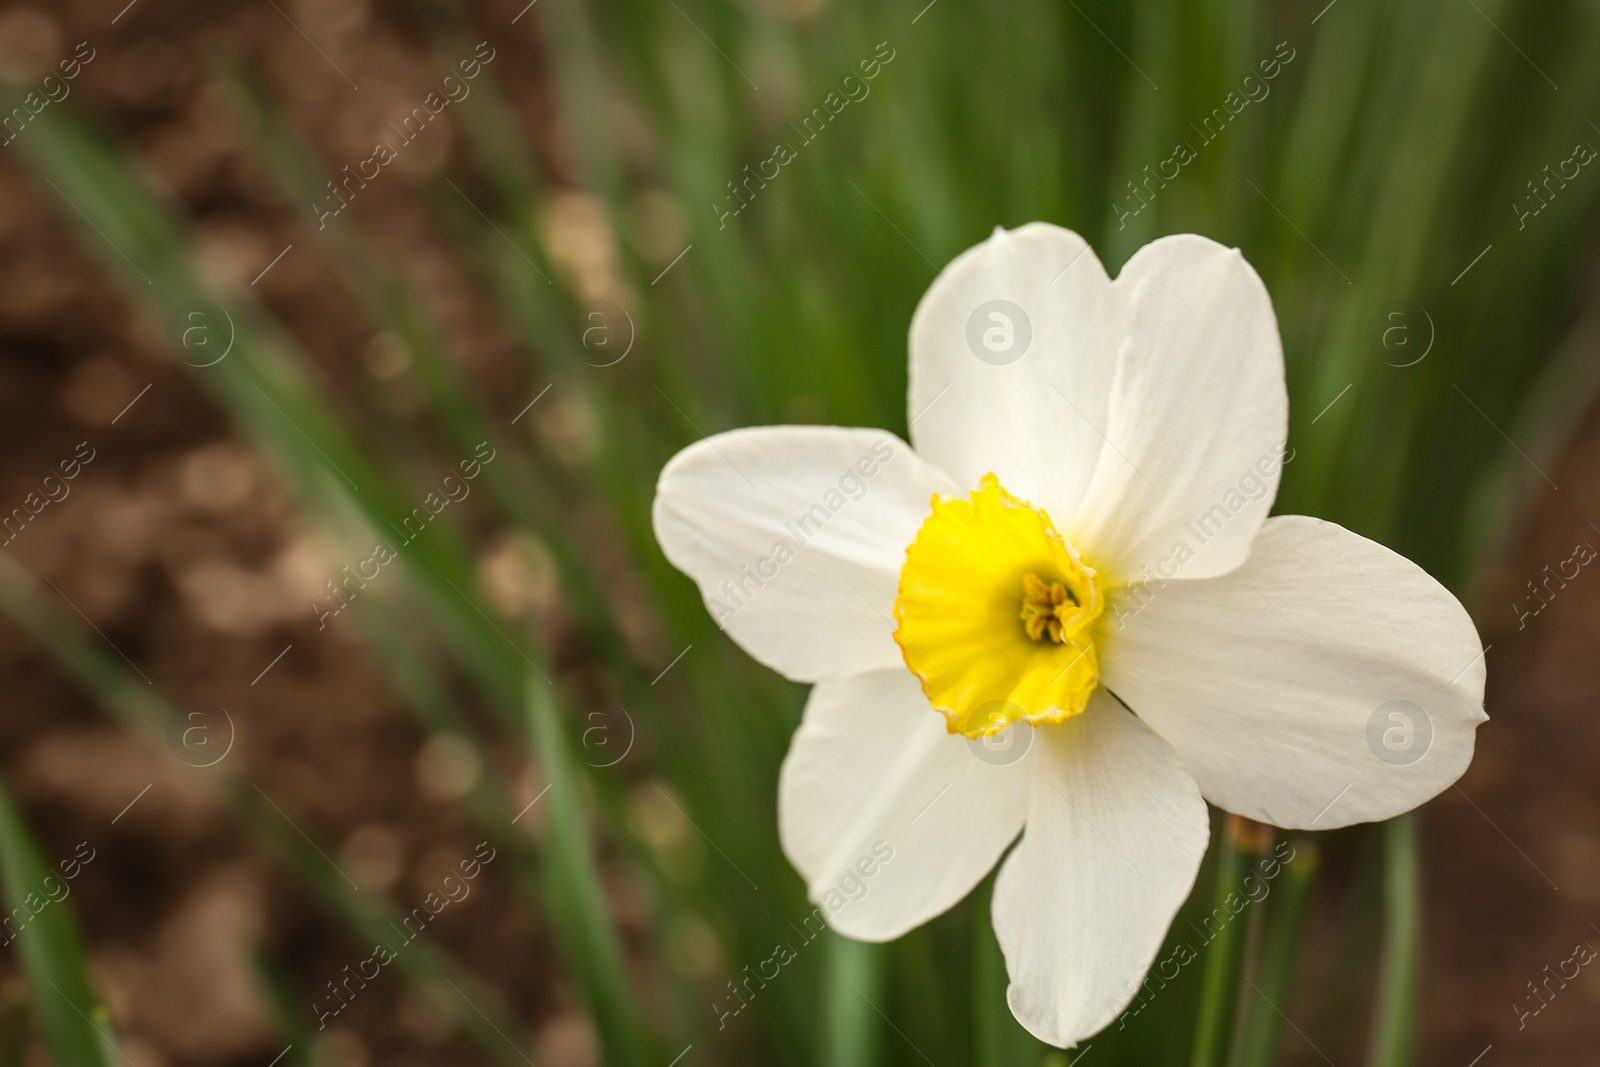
column 1513, row 859
column 175, row 544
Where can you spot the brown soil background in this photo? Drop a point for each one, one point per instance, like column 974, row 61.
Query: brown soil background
column 177, row 546
column 175, row 543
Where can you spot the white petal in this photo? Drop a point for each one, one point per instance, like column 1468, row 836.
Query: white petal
column 890, row 819
column 1327, row 681
column 1035, row 421
column 1116, row 831
column 1198, row 415
column 796, row 536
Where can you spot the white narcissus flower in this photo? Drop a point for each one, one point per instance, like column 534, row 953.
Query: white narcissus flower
column 1064, row 612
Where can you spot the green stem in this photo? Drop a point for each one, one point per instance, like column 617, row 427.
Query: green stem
column 1257, row 1041
column 1000, row 1039
column 1399, row 968
column 50, row 951
column 989, row 984
column 1248, row 990
column 576, row 891
column 1219, row 983
column 854, row 998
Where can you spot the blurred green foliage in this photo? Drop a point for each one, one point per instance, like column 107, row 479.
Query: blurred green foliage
column 75, row 1025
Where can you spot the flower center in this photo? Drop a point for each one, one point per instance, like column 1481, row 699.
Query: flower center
column 1046, row 608
column 982, row 662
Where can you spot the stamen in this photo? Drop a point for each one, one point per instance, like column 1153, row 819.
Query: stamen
column 1044, row 608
